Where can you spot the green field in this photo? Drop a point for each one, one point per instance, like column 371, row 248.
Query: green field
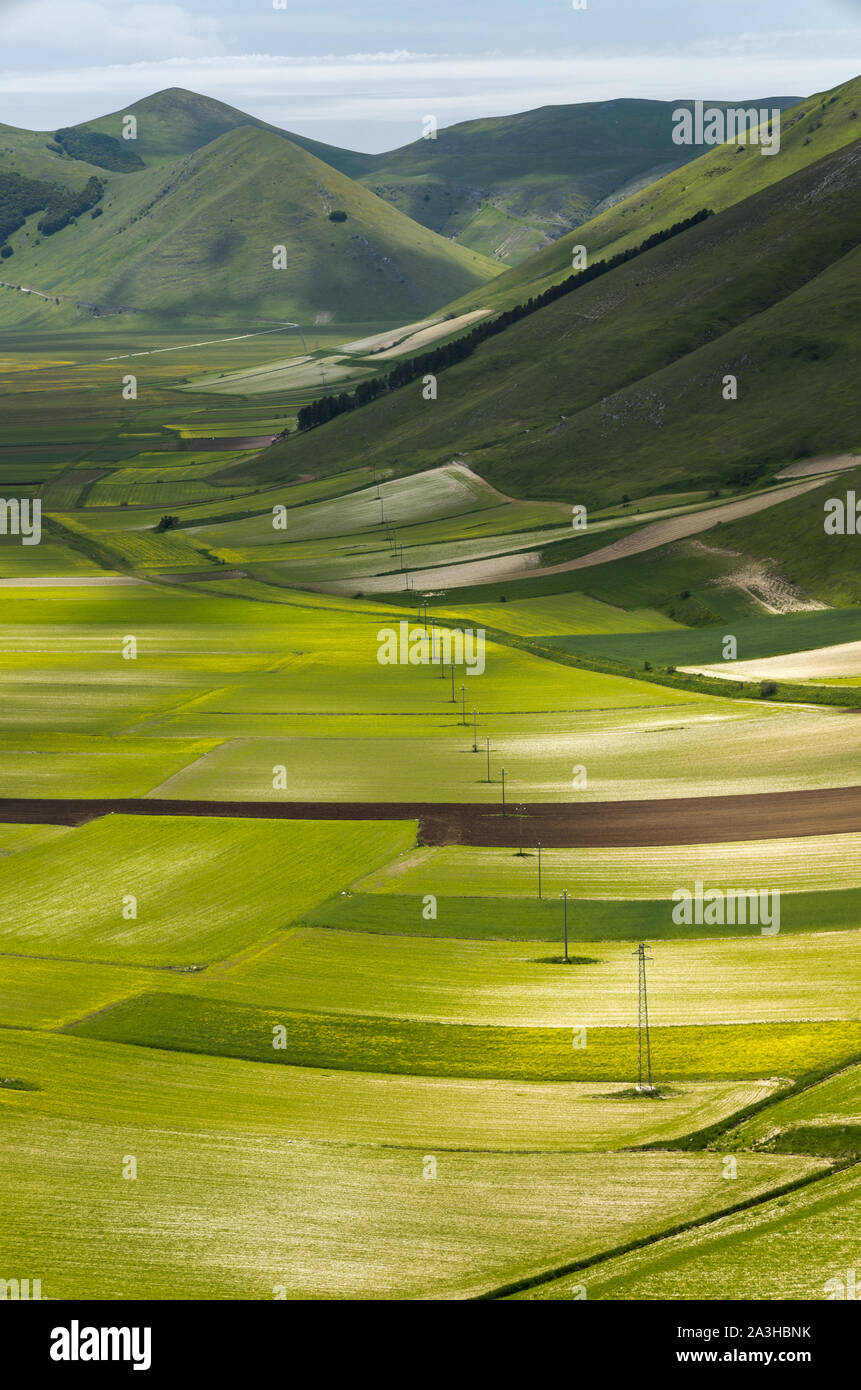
column 806, row 864
column 375, row 1235
column 202, row 889
column 833, row 1102
column 588, row 919
column 755, row 637
column 797, row 1247
column 120, row 1084
column 347, row 1042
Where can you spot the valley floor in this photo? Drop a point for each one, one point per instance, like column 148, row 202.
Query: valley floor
column 318, row 974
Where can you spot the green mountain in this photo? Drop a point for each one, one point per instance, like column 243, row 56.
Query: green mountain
column 717, row 179
column 177, row 122
column 510, row 185
column 196, row 238
column 504, row 186
column 617, row 387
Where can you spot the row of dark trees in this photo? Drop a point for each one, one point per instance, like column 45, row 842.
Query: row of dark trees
column 328, row 407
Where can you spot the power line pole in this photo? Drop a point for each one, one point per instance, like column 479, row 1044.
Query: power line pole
column 644, row 1055
column 463, row 705
column 475, row 731
column 521, row 811
column 453, row 700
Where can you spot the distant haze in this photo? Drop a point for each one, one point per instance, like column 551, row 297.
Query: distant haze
column 364, row 76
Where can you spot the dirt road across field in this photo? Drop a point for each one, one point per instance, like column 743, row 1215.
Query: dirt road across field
column 679, row 821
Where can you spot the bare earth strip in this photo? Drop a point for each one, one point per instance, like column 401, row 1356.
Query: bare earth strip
column 675, row 821
column 677, row 527
column 649, row 537
column 91, row 581
column 807, row 467
column 445, row 577
column 818, row 663
column 430, row 335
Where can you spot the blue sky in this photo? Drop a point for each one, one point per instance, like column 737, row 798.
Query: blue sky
column 365, row 74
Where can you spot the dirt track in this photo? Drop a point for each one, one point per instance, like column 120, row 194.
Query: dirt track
column 680, row 821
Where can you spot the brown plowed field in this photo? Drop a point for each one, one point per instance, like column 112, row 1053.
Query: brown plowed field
column 680, row 821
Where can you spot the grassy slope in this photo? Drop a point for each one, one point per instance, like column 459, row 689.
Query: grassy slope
column 509, row 185
column 26, row 152
column 829, row 568
column 718, row 179
column 577, row 400
column 197, row 237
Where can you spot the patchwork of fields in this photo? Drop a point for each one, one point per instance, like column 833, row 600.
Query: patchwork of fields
column 318, row 1058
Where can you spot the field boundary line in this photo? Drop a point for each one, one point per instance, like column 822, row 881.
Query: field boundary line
column 643, row 1242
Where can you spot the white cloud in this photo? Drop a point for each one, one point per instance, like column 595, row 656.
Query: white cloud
column 383, row 85
column 104, row 31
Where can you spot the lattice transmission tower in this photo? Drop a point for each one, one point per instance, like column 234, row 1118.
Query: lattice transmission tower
column 644, row 1053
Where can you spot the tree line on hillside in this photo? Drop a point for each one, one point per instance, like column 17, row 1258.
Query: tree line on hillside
column 65, row 204
column 20, row 196
column 328, row 407
column 94, row 148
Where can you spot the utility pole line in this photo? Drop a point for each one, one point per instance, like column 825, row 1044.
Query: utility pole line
column 521, row 811
column 565, row 920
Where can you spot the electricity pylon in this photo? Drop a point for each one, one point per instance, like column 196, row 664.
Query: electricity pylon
column 644, row 1055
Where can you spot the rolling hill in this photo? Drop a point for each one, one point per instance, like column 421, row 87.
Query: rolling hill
column 503, row 186
column 510, row 185
column 719, row 178
column 177, row 122
column 196, row 238
column 616, row 388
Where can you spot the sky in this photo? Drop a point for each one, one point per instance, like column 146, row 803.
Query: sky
column 365, row 74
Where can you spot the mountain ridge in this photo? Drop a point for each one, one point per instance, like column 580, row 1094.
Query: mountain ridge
column 200, row 236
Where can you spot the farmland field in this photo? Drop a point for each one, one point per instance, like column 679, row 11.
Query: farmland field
column 143, row 959
column 379, row 1212
column 795, row 1248
column 108, row 891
